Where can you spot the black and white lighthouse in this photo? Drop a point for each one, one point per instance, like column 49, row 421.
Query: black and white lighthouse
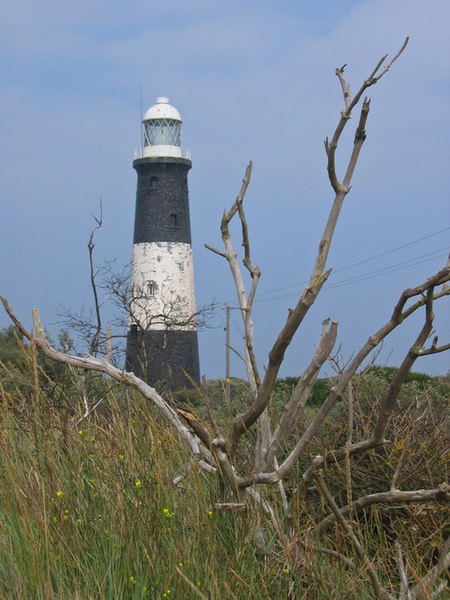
column 162, row 339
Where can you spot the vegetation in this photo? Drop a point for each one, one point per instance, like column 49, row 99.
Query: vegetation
column 91, row 511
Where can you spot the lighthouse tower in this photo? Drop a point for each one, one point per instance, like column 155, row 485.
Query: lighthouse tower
column 162, row 340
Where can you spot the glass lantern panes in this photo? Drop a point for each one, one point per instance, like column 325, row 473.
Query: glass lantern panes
column 162, row 132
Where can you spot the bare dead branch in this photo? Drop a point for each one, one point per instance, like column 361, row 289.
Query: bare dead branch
column 215, row 250
column 302, row 390
column 426, row 585
column 389, row 65
column 434, row 350
column 93, row 347
column 192, row 586
column 197, row 427
column 350, row 104
column 373, row 341
column 230, row 506
column 102, row 366
column 344, row 85
column 245, row 303
column 318, row 277
column 360, row 137
column 238, row 201
column 438, row 279
column 243, row 422
column 380, row 592
column 335, row 456
column 88, row 410
column 439, row 494
column 339, row 454
column 344, row 559
column 404, row 584
column 373, row 77
column 398, row 468
column 389, row 402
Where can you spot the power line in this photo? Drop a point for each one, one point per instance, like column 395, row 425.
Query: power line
column 390, row 269
column 426, row 237
column 370, row 274
column 339, row 270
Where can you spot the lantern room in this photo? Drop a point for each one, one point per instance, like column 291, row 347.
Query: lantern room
column 162, row 130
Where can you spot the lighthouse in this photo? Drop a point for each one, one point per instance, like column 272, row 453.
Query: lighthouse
column 162, row 343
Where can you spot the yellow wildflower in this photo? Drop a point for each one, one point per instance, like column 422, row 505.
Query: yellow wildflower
column 121, row 457
column 132, row 580
column 138, row 484
column 60, row 494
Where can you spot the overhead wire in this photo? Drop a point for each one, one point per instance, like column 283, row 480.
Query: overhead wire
column 426, row 237
column 370, row 274
column 418, row 260
column 366, row 260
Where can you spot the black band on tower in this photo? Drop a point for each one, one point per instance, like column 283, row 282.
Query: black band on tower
column 162, row 200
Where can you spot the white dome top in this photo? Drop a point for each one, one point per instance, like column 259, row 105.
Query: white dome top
column 162, row 110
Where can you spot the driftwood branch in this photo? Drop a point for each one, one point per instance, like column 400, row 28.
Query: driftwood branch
column 397, row 318
column 245, row 302
column 93, row 347
column 319, row 276
column 195, row 436
column 440, row 494
column 102, row 366
column 302, row 390
column 399, row 379
column 427, row 294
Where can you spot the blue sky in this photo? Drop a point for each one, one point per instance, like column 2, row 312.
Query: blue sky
column 252, row 80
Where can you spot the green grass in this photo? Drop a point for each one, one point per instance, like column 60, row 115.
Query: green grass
column 90, row 512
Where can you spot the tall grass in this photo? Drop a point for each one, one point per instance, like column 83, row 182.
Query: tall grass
column 91, row 512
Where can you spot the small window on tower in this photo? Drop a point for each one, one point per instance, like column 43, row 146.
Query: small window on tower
column 153, row 182
column 151, row 288
column 173, row 220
